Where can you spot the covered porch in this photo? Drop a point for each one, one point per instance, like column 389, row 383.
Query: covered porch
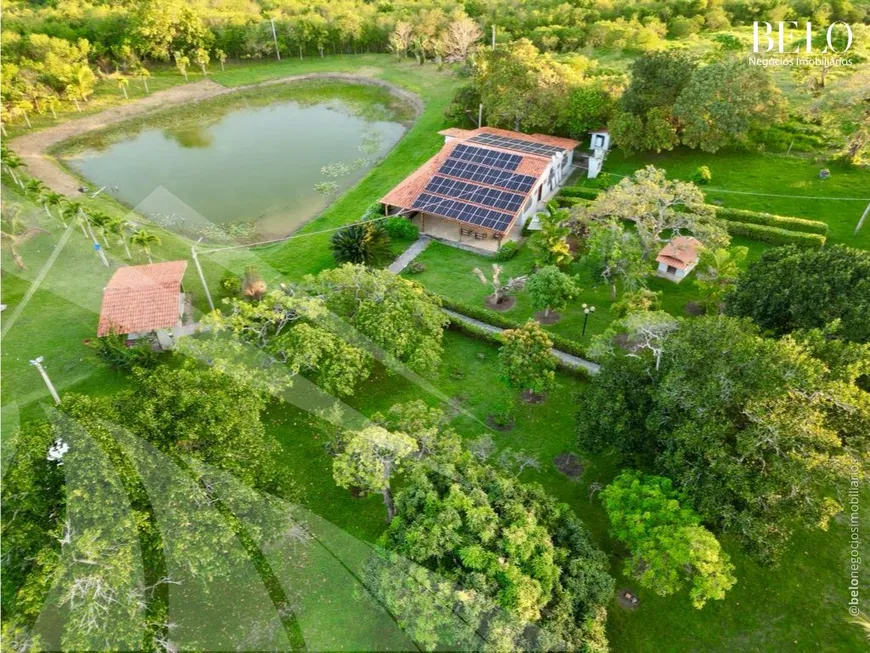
column 463, row 235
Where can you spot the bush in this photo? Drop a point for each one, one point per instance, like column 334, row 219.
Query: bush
column 702, row 175
column 416, row 267
column 401, row 228
column 507, row 251
column 115, row 353
column 231, row 284
column 775, row 235
column 564, row 202
column 367, row 243
column 770, row 220
column 580, row 191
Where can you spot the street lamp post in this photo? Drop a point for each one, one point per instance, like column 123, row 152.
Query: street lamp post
column 37, row 363
column 586, row 311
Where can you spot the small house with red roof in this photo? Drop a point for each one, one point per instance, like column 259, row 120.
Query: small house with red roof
column 483, row 186
column 141, row 300
column 678, row 258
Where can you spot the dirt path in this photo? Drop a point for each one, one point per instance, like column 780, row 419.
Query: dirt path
column 32, row 147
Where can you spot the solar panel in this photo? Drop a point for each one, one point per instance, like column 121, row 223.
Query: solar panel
column 509, row 143
column 474, row 215
column 501, row 160
column 497, row 199
column 486, row 175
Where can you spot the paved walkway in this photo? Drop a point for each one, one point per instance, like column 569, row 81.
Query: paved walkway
column 568, row 359
column 409, row 255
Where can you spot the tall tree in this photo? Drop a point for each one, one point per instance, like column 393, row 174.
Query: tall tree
column 526, row 359
column 616, row 255
column 144, row 240
column 660, row 208
column 551, row 289
column 550, row 242
column 523, row 571
column 724, row 101
column 718, row 270
column 789, row 288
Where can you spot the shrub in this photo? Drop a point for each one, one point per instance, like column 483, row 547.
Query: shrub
column 568, row 202
column 702, row 175
column 368, row 244
column 114, row 352
column 775, row 235
column 231, row 284
column 770, row 220
column 580, row 191
column 416, row 267
column 401, row 228
column 507, row 251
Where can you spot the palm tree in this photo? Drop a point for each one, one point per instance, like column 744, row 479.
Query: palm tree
column 52, row 101
column 14, row 233
column 144, row 240
column 73, row 211
column 122, row 82
column 142, row 73
column 100, row 220
column 12, row 163
column 51, row 199
column 118, row 227
column 33, row 188
column 82, row 81
column 21, row 107
column 181, row 62
column 366, row 243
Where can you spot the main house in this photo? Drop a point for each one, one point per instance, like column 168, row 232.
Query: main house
column 483, row 185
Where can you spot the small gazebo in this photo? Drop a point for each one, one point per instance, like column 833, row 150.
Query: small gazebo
column 678, row 258
column 144, row 299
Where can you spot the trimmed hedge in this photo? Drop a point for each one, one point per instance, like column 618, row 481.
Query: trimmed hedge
column 496, row 319
column 775, row 235
column 770, row 220
column 568, row 202
column 580, row 191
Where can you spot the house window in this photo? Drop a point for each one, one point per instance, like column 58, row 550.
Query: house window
column 540, row 192
column 599, row 140
column 672, row 269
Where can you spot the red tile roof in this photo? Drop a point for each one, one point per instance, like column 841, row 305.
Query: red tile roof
column 534, row 165
column 142, row 298
column 681, row 252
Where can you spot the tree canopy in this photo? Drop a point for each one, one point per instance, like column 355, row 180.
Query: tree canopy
column 749, row 429
column 789, row 288
column 522, row 569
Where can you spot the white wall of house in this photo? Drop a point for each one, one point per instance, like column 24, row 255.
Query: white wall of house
column 674, row 273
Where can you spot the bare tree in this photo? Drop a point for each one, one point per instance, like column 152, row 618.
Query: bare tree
column 462, row 35
column 500, row 291
column 400, row 39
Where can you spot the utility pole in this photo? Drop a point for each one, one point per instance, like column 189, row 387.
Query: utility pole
column 275, row 39
column 201, row 275
column 861, row 221
column 480, row 116
column 493, row 37
column 37, row 363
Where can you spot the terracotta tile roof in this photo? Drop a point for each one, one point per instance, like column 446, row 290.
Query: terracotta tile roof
column 681, row 252
column 407, row 191
column 456, row 132
column 142, row 298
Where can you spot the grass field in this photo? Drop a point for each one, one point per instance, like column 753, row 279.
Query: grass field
column 798, row 606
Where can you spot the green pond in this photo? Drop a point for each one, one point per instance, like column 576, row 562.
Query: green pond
column 257, row 168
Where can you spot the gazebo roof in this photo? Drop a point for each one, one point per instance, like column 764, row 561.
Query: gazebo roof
column 142, row 298
column 681, row 252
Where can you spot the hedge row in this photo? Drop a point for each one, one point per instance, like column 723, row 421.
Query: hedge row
column 497, row 319
column 474, row 331
column 770, row 220
column 775, row 235
column 564, row 202
column 580, row 191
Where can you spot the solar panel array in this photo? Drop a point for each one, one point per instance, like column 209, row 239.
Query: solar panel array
column 486, row 175
column 491, row 158
column 497, row 199
column 516, row 144
column 474, row 215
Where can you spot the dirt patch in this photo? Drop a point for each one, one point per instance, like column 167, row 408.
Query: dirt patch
column 32, row 148
column 694, row 309
column 569, row 464
column 506, row 304
column 504, row 427
column 534, row 397
column 552, row 318
column 627, row 599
